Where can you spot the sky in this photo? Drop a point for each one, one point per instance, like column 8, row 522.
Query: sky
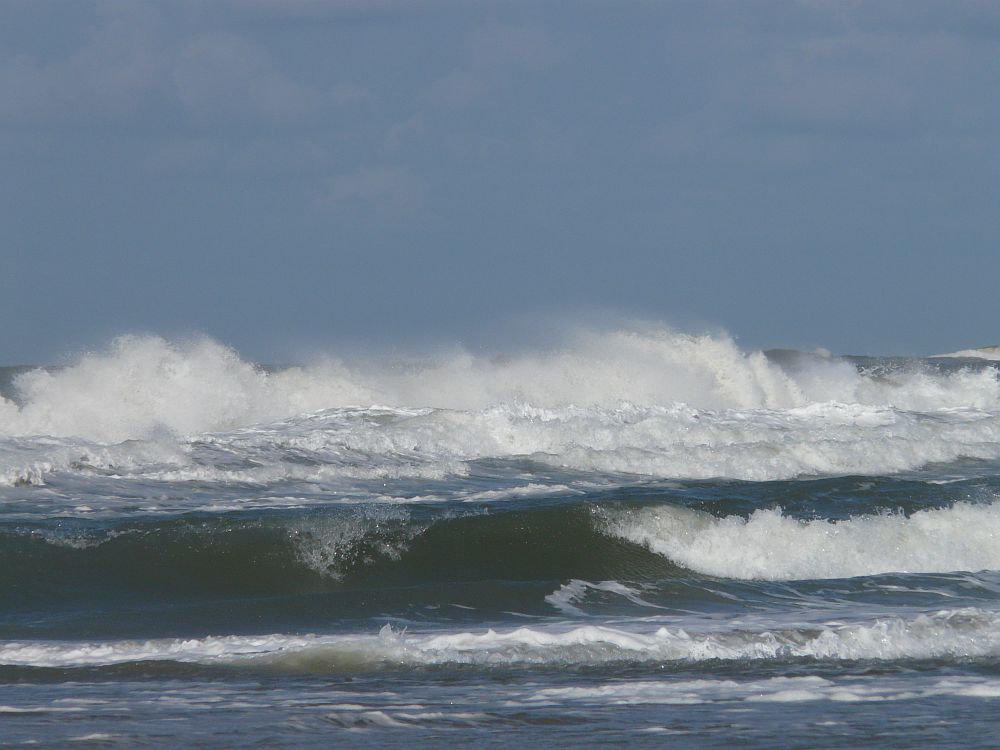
column 287, row 175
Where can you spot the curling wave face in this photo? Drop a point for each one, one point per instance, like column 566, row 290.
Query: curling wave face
column 458, row 563
column 774, row 547
column 647, row 402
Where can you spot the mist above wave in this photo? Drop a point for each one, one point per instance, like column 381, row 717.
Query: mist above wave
column 145, row 386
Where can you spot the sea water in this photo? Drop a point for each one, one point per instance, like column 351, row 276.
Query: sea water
column 632, row 537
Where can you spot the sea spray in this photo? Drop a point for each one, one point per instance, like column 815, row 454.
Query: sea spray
column 142, row 386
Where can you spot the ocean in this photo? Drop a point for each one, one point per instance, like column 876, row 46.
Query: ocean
column 628, row 537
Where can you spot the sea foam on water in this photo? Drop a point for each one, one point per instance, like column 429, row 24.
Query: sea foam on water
column 651, row 402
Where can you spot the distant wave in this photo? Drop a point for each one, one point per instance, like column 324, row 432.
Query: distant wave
column 146, row 385
column 991, row 353
column 652, row 402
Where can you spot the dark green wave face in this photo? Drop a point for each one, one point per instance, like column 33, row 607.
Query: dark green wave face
column 315, row 569
column 622, row 553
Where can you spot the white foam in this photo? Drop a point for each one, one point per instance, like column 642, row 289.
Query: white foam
column 100, row 737
column 27, row 461
column 531, row 489
column 673, row 441
column 771, row 546
column 771, row 690
column 568, row 595
column 652, row 402
column 145, row 384
column 965, row 633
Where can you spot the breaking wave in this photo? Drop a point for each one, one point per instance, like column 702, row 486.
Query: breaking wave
column 142, row 385
column 651, row 402
column 963, row 633
column 771, row 546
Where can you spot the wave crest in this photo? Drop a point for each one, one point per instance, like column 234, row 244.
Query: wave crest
column 774, row 547
column 143, row 385
column 652, row 402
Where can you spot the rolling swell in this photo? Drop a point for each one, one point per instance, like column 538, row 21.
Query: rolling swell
column 313, row 570
column 308, row 570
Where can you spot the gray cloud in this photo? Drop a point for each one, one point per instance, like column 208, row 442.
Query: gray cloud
column 314, row 11
column 221, row 77
column 104, row 76
column 385, row 188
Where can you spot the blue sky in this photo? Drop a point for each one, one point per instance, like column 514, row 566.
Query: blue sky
column 286, row 175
